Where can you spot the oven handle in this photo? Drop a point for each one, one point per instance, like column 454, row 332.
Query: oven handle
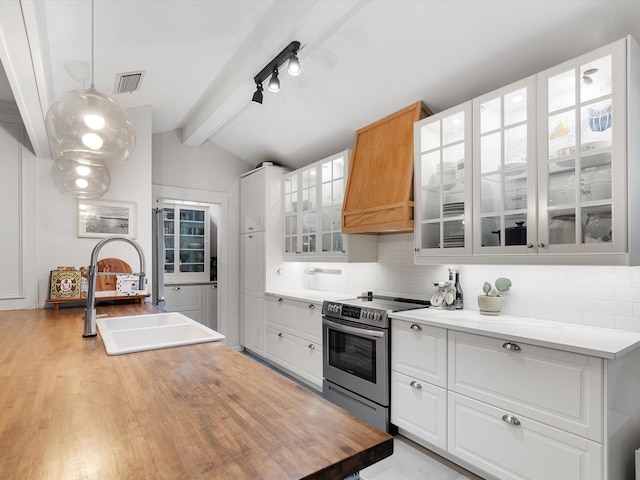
column 354, row 330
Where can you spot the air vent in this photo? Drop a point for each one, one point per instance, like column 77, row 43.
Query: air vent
column 128, row 82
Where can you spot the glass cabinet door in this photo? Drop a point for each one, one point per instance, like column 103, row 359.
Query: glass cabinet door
column 185, row 242
column 443, row 187
column 308, row 209
column 169, row 237
column 583, row 119
column 332, row 172
column 291, row 201
column 505, row 184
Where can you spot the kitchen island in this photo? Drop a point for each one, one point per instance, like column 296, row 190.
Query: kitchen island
column 68, row 410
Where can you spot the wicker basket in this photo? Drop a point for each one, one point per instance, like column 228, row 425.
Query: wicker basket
column 489, row 305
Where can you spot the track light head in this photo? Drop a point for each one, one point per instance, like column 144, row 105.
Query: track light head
column 257, row 95
column 294, row 65
column 289, row 54
column 274, row 83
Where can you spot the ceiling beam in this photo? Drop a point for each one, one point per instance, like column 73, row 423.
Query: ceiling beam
column 230, row 94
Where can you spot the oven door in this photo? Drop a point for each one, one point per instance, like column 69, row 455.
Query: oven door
column 356, row 357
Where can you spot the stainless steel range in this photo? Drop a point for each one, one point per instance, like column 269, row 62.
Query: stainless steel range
column 356, row 354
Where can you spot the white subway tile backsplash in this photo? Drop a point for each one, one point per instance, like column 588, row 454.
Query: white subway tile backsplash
column 592, row 295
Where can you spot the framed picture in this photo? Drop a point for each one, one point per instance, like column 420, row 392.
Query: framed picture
column 103, row 218
column 65, row 284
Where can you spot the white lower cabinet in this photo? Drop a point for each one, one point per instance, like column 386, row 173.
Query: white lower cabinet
column 515, row 447
column 419, row 408
column 511, row 410
column 190, row 300
column 294, row 338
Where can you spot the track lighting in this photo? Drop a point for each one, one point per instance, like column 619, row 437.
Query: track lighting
column 257, row 96
column 289, row 54
column 274, row 83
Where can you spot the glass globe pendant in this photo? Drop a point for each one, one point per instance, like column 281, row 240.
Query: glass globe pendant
column 80, row 177
column 92, row 125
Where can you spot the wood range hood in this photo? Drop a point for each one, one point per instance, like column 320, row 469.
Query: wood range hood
column 379, row 192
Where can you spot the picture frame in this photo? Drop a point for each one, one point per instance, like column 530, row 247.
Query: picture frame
column 65, row 284
column 105, row 218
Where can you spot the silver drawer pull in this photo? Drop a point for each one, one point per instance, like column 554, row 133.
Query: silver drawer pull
column 281, row 300
column 415, row 384
column 312, row 306
column 511, row 420
column 416, row 327
column 312, row 346
column 281, row 334
column 176, row 288
column 514, row 347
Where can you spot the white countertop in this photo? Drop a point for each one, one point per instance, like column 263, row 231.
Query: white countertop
column 311, row 295
column 598, row 342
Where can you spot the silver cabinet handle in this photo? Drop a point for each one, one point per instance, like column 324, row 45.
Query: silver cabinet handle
column 176, row 288
column 511, row 420
column 281, row 300
column 514, row 347
column 415, row 384
column 312, row 306
column 529, row 245
column 312, row 346
column 541, row 245
column 281, row 334
column 416, row 327
column 416, row 250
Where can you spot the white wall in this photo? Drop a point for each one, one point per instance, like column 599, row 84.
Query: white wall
column 208, row 168
column 58, row 243
column 599, row 296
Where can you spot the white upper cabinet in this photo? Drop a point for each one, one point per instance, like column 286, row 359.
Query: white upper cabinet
column 554, row 169
column 443, row 183
column 582, row 154
column 186, row 243
column 504, row 200
column 312, row 212
column 252, row 202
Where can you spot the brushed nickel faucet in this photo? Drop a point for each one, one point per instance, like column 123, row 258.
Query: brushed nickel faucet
column 90, row 310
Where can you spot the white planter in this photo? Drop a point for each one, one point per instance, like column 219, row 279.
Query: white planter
column 489, row 305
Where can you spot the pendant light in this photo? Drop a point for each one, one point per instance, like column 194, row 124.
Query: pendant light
column 89, row 129
column 80, row 177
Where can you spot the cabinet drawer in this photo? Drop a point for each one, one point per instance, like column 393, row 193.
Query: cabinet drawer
column 282, row 349
column 311, row 362
column 419, row 408
column 282, row 314
column 183, row 297
column 419, row 351
column 558, row 388
column 479, row 435
column 310, row 317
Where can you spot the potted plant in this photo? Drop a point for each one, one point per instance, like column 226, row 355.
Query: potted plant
column 491, row 302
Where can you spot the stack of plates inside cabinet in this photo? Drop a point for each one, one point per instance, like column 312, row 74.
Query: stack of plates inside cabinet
column 455, row 208
column 453, row 241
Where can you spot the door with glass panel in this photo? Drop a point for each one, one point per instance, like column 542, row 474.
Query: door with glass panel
column 300, row 211
column 332, row 172
column 505, row 170
column 583, row 158
column 290, row 195
column 443, row 183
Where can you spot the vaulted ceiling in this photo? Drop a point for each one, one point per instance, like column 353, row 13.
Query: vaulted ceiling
column 361, row 60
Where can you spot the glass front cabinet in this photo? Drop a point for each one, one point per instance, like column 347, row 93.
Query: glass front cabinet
column 312, row 212
column 186, row 243
column 442, row 211
column 554, row 173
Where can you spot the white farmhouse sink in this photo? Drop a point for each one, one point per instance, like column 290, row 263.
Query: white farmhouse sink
column 138, row 333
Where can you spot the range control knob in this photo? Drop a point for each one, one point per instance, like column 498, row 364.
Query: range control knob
column 378, row 317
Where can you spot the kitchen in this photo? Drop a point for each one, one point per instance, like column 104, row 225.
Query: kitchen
column 593, row 295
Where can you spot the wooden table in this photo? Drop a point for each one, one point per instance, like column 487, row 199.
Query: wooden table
column 68, row 410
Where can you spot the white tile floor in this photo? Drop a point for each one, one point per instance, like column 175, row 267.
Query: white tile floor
column 412, row 462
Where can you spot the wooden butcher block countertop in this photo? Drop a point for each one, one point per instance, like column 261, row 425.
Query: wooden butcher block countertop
column 70, row 411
